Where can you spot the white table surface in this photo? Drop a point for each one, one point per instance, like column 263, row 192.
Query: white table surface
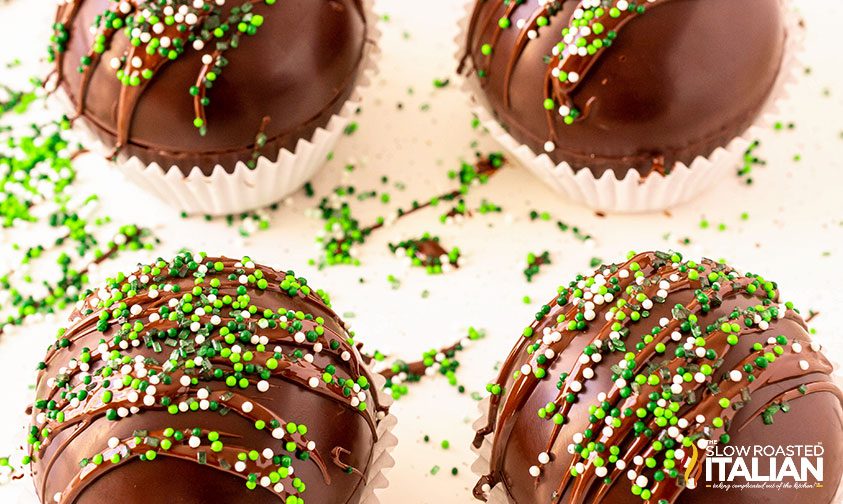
column 794, row 233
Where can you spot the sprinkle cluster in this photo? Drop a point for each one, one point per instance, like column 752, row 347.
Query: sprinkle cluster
column 592, row 28
column 37, row 177
column 342, row 232
column 426, row 252
column 400, row 374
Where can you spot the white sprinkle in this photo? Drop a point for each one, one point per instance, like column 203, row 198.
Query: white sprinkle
column 247, row 407
column 535, row 471
column 803, row 365
column 313, row 382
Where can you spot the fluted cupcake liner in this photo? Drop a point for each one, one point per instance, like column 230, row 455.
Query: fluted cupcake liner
column 633, row 192
column 382, row 452
column 221, row 192
column 482, row 465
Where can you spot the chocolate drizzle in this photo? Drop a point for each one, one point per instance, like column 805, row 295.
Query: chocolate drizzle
column 203, row 338
column 682, row 386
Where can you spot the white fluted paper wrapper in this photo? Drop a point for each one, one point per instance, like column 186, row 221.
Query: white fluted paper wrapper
column 245, row 189
column 382, row 452
column 480, row 467
column 382, row 459
column 634, row 193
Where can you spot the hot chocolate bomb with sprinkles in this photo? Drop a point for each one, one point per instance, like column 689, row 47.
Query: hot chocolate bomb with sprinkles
column 204, row 380
column 207, row 82
column 614, row 85
column 616, row 390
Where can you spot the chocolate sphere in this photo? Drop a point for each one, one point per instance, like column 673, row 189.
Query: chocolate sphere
column 270, row 74
column 204, row 380
column 658, row 83
column 628, row 382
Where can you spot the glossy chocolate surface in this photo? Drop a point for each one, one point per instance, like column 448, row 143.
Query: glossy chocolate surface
column 297, row 70
column 677, row 81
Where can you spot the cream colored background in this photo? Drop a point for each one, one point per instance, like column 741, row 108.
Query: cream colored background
column 796, row 214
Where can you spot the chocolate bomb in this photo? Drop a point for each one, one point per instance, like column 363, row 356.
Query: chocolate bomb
column 624, row 382
column 204, row 380
column 643, row 87
column 212, row 82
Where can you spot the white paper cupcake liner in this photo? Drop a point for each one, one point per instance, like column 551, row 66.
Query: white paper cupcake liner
column 222, row 193
column 633, row 193
column 481, row 466
column 382, row 459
